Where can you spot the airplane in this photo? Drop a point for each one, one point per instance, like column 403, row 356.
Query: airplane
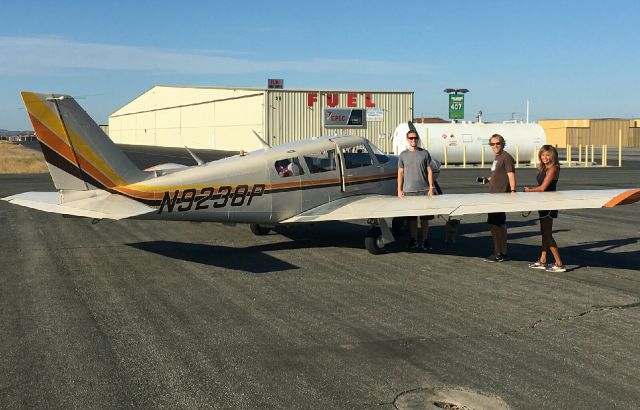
column 331, row 178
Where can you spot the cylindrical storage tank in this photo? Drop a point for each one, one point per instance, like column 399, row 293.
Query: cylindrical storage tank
column 454, row 136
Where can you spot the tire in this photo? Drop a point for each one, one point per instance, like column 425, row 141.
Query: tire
column 373, row 241
column 399, row 226
column 259, row 230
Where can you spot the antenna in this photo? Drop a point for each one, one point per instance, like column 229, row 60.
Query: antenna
column 198, row 160
column 264, row 143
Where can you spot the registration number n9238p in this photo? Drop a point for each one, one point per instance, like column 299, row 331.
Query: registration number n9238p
column 225, row 195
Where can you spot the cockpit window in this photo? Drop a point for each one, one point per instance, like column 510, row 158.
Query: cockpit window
column 381, row 156
column 324, row 161
column 288, row 167
column 356, row 157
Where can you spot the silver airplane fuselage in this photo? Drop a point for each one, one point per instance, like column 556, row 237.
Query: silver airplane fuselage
column 271, row 185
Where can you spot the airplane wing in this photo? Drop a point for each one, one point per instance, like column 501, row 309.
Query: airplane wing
column 102, row 205
column 385, row 206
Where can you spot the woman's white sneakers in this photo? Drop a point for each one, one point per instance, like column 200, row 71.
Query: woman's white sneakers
column 538, row 265
column 547, row 267
column 555, row 268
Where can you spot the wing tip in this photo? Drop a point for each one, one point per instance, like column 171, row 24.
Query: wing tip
column 628, row 197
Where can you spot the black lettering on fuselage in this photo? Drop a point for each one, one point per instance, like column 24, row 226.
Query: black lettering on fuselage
column 225, row 195
column 186, row 202
column 209, row 194
column 168, row 201
column 239, row 195
column 256, row 190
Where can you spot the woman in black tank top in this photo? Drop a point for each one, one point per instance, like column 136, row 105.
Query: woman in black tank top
column 548, row 173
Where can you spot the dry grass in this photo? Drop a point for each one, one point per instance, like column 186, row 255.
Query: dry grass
column 16, row 159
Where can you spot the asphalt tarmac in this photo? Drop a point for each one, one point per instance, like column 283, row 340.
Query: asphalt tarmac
column 153, row 314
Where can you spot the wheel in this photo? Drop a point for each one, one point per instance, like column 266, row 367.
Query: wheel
column 259, row 230
column 373, row 241
column 399, row 226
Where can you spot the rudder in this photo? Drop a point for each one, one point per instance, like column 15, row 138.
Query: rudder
column 80, row 156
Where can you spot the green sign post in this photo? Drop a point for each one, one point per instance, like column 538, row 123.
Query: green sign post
column 456, row 106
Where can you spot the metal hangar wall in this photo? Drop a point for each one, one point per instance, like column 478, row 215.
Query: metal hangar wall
column 224, row 118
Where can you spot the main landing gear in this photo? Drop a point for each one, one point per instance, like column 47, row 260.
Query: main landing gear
column 378, row 237
column 259, row 230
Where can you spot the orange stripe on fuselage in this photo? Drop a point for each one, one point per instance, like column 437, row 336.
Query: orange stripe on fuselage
column 628, row 197
column 151, row 193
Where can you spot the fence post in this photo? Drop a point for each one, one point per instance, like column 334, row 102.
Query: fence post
column 464, row 156
column 482, row 159
column 517, row 156
column 620, row 147
column 569, row 154
column 535, row 156
column 446, row 156
column 579, row 152
column 593, row 152
column 586, row 155
column 426, row 139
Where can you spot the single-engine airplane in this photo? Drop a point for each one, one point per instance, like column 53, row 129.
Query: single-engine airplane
column 322, row 179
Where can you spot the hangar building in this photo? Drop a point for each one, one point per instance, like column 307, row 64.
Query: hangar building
column 592, row 132
column 224, row 118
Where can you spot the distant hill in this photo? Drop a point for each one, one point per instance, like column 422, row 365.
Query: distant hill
column 7, row 133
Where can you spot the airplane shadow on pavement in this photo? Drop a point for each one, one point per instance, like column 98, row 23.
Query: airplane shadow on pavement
column 242, row 259
column 254, row 259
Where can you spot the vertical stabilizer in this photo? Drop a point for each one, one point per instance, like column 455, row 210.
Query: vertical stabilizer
column 80, row 156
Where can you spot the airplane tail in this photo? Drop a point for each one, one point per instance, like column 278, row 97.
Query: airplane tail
column 80, row 156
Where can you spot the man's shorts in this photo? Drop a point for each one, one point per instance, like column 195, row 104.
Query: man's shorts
column 497, row 218
column 548, row 214
column 420, row 193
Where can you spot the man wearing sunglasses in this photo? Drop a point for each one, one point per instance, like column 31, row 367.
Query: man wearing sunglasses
column 415, row 178
column 502, row 179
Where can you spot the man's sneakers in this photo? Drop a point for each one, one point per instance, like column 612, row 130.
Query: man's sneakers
column 495, row 258
column 555, row 268
column 413, row 245
column 538, row 265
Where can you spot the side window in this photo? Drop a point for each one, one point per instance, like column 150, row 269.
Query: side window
column 356, row 157
column 288, row 167
column 324, row 161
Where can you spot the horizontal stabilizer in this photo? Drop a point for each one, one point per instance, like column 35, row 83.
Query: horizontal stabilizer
column 103, row 205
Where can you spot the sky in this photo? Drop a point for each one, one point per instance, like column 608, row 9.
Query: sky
column 569, row 59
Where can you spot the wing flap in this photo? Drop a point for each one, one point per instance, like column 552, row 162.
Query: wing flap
column 101, row 206
column 385, row 206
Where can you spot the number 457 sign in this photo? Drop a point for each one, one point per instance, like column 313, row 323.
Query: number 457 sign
column 456, row 106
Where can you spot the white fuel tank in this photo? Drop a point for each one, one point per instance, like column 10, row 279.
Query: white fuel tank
column 528, row 138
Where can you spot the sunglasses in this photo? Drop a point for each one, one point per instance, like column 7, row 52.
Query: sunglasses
column 493, row 144
column 412, row 138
